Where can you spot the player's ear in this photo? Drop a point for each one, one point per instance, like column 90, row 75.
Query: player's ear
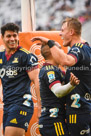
column 72, row 31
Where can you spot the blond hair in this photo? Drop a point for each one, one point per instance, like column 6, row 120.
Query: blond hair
column 74, row 23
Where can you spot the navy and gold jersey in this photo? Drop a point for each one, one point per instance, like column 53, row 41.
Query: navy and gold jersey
column 79, row 100
column 14, row 77
column 52, row 119
column 48, row 76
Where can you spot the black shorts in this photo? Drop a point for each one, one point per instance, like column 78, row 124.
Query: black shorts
column 18, row 116
column 79, row 124
column 52, row 126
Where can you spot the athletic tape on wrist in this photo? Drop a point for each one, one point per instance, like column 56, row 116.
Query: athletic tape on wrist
column 51, row 43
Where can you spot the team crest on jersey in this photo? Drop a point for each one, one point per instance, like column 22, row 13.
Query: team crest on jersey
column 15, row 60
column 1, row 61
column 51, row 76
column 75, row 50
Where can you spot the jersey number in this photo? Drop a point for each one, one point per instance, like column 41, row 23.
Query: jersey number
column 27, row 98
column 76, row 98
column 54, row 112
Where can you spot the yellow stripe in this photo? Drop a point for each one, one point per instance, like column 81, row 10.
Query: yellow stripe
column 61, row 128
column 75, row 117
column 76, row 44
column 69, row 118
column 72, row 118
column 26, row 51
column 81, row 45
column 1, row 61
column 56, row 129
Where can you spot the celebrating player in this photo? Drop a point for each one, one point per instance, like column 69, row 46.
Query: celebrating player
column 52, row 92
column 78, row 60
column 18, row 67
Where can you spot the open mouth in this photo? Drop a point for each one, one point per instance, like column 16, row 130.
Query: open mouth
column 12, row 43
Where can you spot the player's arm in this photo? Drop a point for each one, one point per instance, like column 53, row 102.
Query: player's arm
column 57, row 53
column 61, row 57
column 61, row 91
column 33, row 75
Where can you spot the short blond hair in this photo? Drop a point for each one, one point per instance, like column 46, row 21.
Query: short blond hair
column 74, row 23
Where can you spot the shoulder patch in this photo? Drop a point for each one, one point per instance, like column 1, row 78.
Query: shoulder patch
column 75, row 50
column 24, row 50
column 51, row 76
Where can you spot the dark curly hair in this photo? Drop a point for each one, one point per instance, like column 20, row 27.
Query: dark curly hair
column 9, row 26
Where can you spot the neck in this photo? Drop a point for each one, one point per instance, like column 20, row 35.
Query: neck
column 51, row 62
column 11, row 51
column 76, row 40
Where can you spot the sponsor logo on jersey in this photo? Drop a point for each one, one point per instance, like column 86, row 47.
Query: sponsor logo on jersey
column 8, row 72
column 24, row 113
column 51, row 76
column 75, row 50
column 83, row 132
column 26, row 124
column 15, row 60
column 87, row 96
column 14, row 121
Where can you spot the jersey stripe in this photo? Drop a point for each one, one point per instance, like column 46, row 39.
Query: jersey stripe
column 26, row 51
column 73, row 118
column 54, row 83
column 62, row 128
column 59, row 128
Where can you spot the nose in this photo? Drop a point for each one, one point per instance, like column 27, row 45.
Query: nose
column 11, row 38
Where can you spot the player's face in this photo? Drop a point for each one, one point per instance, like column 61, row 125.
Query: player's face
column 11, row 40
column 65, row 35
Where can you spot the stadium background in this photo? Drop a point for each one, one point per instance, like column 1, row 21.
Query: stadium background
column 40, row 17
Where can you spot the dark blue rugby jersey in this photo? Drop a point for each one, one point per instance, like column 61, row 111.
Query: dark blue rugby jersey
column 14, row 77
column 79, row 100
column 48, row 76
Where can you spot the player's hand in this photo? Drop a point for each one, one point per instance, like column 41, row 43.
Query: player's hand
column 43, row 40
column 74, row 80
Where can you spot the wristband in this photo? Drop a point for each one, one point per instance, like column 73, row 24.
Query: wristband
column 51, row 43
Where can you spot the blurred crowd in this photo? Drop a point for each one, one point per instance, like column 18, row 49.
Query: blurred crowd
column 49, row 13
column 10, row 11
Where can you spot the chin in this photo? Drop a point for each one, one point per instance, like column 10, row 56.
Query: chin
column 13, row 47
